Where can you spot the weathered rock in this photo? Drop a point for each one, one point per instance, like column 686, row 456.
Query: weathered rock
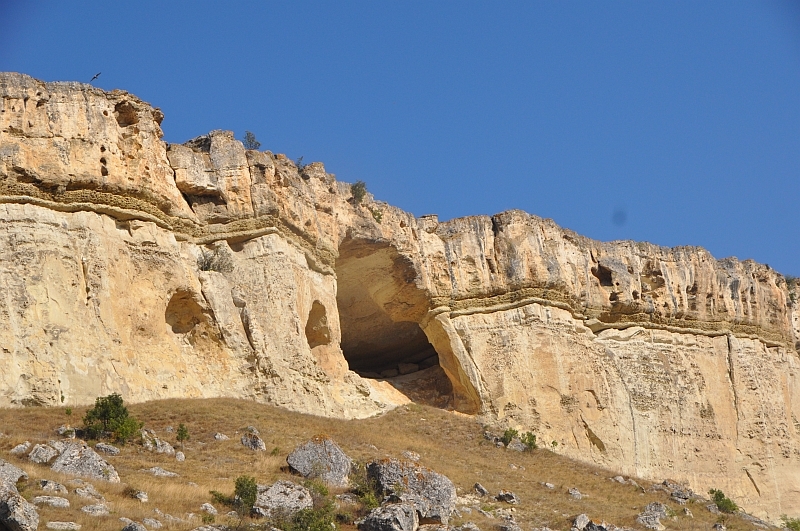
column 507, row 496
column 180, row 457
column 52, row 501
column 141, row 496
column 468, row 526
column 10, row 474
column 105, row 448
column 221, row 437
column 53, row 486
column 480, row 489
column 517, row 445
column 63, row 526
column 15, row 511
column 575, row 493
column 21, row 448
column 321, row 458
column 580, row 522
column 253, row 442
column 99, row 509
column 282, row 497
column 433, row 494
column 411, row 456
column 651, row 515
column 152, row 523
column 509, row 525
column 391, row 517
column 162, row 473
column 90, row 492
column 59, row 446
column 80, row 460
column 208, row 508
column 42, row 454
column 91, row 194
column 134, row 526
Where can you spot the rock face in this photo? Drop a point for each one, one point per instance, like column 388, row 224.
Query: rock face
column 258, row 279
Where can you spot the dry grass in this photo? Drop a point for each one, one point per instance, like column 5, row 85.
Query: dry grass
column 448, row 443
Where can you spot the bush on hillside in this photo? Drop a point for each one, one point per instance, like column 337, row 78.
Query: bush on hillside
column 109, row 417
column 723, row 503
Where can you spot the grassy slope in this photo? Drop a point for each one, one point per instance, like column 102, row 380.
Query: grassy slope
column 448, row 443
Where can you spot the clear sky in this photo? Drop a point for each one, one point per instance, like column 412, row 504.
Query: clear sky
column 672, row 122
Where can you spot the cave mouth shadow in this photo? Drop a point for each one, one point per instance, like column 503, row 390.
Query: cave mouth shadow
column 380, row 308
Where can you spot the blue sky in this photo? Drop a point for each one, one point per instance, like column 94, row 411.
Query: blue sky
column 671, row 122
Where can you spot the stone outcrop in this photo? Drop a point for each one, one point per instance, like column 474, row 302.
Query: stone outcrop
column 656, row 362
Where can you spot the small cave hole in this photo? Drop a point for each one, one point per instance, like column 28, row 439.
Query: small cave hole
column 125, row 114
column 603, row 274
column 317, row 331
column 102, row 149
column 103, row 171
column 103, row 161
column 183, row 312
column 105, row 113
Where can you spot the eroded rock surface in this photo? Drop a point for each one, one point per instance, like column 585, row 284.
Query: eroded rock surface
column 647, row 360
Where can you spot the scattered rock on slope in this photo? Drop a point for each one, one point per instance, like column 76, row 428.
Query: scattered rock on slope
column 284, row 497
column 650, row 517
column 42, row 454
column 391, row 517
column 10, row 474
column 432, row 494
column 254, row 442
column 15, row 512
column 321, row 457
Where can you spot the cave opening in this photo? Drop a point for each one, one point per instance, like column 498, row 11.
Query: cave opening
column 380, row 308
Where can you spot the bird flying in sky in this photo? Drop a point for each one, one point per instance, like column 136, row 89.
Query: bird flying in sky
column 95, row 77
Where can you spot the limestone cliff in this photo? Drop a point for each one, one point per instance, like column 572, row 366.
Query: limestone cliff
column 160, row 270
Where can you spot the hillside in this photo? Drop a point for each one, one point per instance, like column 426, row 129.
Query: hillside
column 448, row 443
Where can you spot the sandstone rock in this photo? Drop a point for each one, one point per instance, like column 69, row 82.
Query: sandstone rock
column 106, row 448
column 253, row 442
column 391, row 517
column 42, row 454
column 282, row 497
column 432, row 494
column 15, row 512
column 52, row 501
column 99, row 509
column 21, row 448
column 63, row 526
column 53, row 486
column 80, row 460
column 321, row 458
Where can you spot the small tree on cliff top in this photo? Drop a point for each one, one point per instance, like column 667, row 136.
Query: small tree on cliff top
column 250, row 141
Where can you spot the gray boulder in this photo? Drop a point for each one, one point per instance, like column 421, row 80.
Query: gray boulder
column 16, row 513
column 42, row 454
column 134, row 526
column 575, row 493
column 88, row 491
column 80, row 460
column 507, row 496
column 580, row 522
column 650, row 517
column 208, row 508
column 152, row 523
column 59, row 446
column 253, row 442
column 221, row 437
column 52, row 501
column 180, row 457
column 99, row 509
column 321, row 458
column 21, row 448
column 52, row 486
column 63, row 526
column 282, row 497
column 160, row 472
column 11, row 474
column 391, row 517
column 108, row 449
column 432, row 494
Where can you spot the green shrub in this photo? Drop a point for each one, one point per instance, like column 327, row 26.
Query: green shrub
column 790, row 523
column 109, row 417
column 245, row 493
column 529, row 440
column 214, row 260
column 359, row 191
column 364, row 487
column 509, row 435
column 314, row 519
column 299, row 164
column 182, row 435
column 250, row 141
column 723, row 503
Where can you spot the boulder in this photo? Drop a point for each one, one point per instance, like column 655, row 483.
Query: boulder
column 134, row 526
column 160, row 472
column 220, row 437
column 152, row 523
column 11, row 474
column 651, row 515
column 282, row 497
column 16, row 513
column 433, row 494
column 580, row 522
column 99, row 509
column 575, row 493
column 391, row 517
column 509, row 525
column 52, row 501
column 321, row 458
column 180, row 457
column 411, row 456
column 208, row 508
column 58, row 446
column 88, row 491
column 21, row 448
column 63, row 526
column 80, row 460
column 108, row 449
column 253, row 442
column 507, row 496
column 480, row 489
column 42, row 454
column 52, row 486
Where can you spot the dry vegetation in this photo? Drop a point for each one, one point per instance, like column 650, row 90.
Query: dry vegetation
column 448, row 443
